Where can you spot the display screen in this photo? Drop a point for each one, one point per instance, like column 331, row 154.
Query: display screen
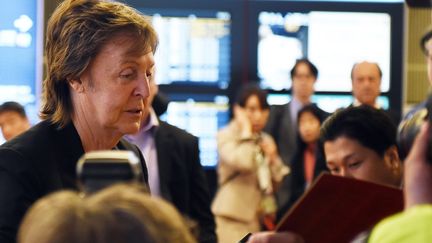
column 21, row 54
column 194, row 47
column 333, row 41
column 329, row 103
column 202, row 118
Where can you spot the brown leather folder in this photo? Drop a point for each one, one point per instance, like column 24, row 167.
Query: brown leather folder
column 336, row 209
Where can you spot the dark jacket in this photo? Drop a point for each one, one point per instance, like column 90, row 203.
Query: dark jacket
column 38, row 162
column 280, row 126
column 182, row 179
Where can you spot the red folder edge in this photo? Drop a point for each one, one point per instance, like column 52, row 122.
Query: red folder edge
column 337, row 209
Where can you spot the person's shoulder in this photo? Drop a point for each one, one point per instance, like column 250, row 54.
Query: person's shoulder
column 31, row 141
column 19, row 153
column 414, row 110
column 279, row 107
column 165, row 127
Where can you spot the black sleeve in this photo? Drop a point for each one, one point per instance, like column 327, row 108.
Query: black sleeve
column 200, row 196
column 16, row 194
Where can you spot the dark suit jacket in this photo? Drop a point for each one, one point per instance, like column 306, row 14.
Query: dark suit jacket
column 182, row 179
column 280, row 126
column 38, row 162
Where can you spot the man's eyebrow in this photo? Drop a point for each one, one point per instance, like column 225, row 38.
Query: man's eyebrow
column 348, row 156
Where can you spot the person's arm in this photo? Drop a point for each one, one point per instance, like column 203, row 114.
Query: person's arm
column 275, row 237
column 236, row 151
column 418, row 171
column 15, row 199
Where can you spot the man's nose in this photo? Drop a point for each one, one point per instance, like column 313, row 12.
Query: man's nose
column 143, row 87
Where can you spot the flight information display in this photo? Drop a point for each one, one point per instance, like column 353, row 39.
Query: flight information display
column 194, row 47
column 333, row 41
column 21, row 54
column 202, row 119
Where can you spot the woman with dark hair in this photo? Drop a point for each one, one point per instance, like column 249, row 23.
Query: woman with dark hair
column 308, row 160
column 249, row 165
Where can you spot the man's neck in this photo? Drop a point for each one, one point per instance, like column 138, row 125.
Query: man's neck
column 302, row 100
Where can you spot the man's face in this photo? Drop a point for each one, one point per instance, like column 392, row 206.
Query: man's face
column 348, row 158
column 366, row 83
column 116, row 86
column 12, row 124
column 303, row 82
column 429, row 59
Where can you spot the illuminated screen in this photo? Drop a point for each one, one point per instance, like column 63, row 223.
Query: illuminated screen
column 202, row 119
column 329, row 103
column 194, row 47
column 333, row 41
column 21, row 54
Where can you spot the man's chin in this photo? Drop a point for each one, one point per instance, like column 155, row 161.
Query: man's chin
column 132, row 129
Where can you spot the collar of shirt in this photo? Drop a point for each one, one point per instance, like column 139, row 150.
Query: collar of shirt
column 147, row 126
column 295, row 106
column 357, row 103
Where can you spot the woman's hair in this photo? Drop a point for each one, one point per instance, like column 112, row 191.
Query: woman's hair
column 121, row 213
column 317, row 113
column 250, row 90
column 76, row 32
column 314, row 110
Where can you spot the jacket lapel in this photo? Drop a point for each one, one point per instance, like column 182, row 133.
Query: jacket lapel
column 165, row 148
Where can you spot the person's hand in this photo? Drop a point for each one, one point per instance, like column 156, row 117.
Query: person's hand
column 275, row 237
column 242, row 119
column 418, row 172
column 269, row 148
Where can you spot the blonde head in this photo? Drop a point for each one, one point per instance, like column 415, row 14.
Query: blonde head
column 121, row 213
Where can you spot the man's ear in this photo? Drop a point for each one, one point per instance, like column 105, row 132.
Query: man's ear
column 392, row 159
column 76, row 84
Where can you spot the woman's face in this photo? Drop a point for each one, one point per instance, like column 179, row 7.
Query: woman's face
column 256, row 114
column 116, row 86
column 309, row 127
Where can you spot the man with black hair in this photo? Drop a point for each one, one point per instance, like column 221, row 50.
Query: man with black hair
column 360, row 142
column 13, row 119
column 282, row 122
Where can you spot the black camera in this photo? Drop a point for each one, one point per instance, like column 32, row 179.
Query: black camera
column 99, row 169
column 410, row 126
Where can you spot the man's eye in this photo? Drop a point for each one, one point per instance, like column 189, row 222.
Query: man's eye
column 354, row 165
column 127, row 74
column 334, row 170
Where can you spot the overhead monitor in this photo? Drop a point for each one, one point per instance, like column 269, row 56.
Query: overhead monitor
column 21, row 30
column 194, row 47
column 201, row 116
column 333, row 41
